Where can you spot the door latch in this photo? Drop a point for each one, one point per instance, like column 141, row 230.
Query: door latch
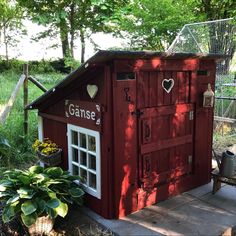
column 137, row 112
column 127, row 97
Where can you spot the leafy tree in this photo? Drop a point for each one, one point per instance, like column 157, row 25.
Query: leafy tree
column 152, row 24
column 215, row 9
column 222, row 37
column 10, row 24
column 71, row 19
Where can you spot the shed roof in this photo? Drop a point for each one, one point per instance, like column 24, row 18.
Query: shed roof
column 104, row 56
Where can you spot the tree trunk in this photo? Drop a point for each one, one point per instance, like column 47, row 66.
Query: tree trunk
column 64, row 39
column 82, row 40
column 6, row 44
column 72, row 28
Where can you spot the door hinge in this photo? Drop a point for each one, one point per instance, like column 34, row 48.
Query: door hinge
column 191, row 115
column 137, row 112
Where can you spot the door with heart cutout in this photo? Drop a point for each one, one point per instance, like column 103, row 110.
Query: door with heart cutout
column 165, row 130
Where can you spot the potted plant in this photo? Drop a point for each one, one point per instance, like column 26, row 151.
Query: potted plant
column 38, row 195
column 48, row 152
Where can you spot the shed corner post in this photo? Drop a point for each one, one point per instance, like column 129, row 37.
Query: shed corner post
column 40, row 133
column 26, row 118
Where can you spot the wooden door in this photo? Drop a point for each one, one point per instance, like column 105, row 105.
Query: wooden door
column 165, row 128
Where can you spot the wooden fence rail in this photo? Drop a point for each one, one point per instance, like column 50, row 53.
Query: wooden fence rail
column 37, row 83
column 23, row 81
column 7, row 107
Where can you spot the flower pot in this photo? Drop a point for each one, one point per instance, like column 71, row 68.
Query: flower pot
column 53, row 159
column 42, row 226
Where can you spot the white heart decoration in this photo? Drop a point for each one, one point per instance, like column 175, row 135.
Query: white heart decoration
column 92, row 90
column 168, row 84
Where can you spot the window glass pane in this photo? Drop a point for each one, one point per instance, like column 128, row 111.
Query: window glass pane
column 91, row 143
column 75, row 170
column 83, row 158
column 92, row 181
column 82, row 138
column 75, row 157
column 92, row 162
column 83, row 175
column 74, row 138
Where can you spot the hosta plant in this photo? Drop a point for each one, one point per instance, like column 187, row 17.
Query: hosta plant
column 38, row 192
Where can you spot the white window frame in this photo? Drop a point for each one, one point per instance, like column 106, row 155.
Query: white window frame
column 94, row 192
column 40, row 134
column 40, row 128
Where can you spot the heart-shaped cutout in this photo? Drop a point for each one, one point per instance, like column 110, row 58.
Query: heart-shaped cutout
column 168, row 84
column 92, row 90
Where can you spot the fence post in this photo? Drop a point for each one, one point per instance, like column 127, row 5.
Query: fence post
column 25, row 71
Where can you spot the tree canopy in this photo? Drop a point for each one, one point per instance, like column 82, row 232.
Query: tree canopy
column 10, row 24
column 153, row 24
column 72, row 18
column 146, row 24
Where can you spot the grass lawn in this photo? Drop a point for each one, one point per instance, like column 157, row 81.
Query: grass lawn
column 20, row 151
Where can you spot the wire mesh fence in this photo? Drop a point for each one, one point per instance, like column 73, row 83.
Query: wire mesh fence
column 214, row 37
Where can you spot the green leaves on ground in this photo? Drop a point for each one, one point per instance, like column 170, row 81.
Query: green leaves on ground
column 76, row 192
column 53, row 203
column 62, row 209
column 36, row 169
column 28, row 207
column 36, row 192
column 54, row 172
column 8, row 213
column 28, row 220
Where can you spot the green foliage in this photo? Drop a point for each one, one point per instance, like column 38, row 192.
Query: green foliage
column 39, row 67
column 10, row 24
column 4, row 148
column 152, row 24
column 72, row 63
column 12, row 64
column 19, row 154
column 72, row 18
column 36, row 192
column 214, row 9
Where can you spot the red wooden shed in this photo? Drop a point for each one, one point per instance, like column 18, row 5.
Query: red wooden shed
column 133, row 125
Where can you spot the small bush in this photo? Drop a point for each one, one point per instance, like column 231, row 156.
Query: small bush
column 12, row 64
column 38, row 67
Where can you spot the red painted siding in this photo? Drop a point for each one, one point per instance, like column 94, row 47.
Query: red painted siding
column 150, row 147
column 56, row 131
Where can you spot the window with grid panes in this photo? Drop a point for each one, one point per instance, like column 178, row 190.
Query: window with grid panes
column 84, row 157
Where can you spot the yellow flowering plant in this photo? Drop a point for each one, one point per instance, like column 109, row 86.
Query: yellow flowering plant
column 46, row 146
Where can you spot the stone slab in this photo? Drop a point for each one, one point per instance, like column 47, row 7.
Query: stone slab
column 196, row 212
column 200, row 191
column 225, row 198
column 121, row 226
column 194, row 218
